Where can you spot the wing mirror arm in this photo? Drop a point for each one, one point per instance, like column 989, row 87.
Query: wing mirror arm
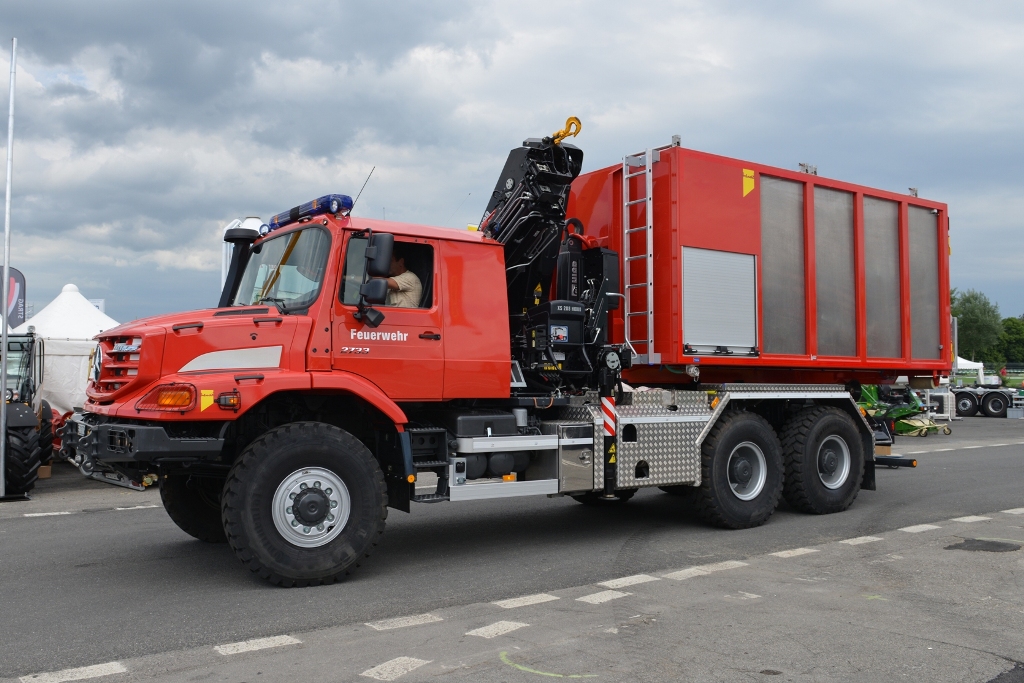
column 378, row 266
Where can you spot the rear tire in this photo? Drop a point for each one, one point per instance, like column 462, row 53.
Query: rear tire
column 824, row 460
column 994, row 404
column 966, row 405
column 22, row 460
column 304, row 504
column 193, row 503
column 741, row 472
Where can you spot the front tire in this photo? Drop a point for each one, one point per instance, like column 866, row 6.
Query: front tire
column 22, row 460
column 966, row 405
column 741, row 472
column 193, row 503
column 824, row 460
column 46, row 435
column 285, row 503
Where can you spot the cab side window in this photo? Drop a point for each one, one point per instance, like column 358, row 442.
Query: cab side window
column 412, row 269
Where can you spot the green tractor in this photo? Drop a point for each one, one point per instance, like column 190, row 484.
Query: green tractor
column 29, row 430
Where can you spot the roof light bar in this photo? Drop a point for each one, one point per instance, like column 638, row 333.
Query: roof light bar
column 329, row 203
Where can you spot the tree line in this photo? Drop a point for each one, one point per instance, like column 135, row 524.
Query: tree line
column 982, row 333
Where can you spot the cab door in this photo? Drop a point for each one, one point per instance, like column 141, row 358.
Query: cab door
column 404, row 355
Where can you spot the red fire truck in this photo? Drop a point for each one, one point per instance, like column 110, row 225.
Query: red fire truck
column 680, row 320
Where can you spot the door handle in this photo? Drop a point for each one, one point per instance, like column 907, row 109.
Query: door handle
column 430, row 335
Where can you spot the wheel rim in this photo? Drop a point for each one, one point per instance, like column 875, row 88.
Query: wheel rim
column 833, row 462
column 311, row 507
column 965, row 404
column 747, row 471
column 996, row 405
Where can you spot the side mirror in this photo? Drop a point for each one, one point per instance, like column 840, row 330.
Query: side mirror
column 374, row 291
column 378, row 254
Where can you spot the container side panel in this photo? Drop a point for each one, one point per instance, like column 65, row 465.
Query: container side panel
column 719, row 299
column 782, row 266
column 833, row 255
column 882, row 265
column 924, row 283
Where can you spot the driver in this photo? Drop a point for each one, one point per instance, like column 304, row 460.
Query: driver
column 404, row 287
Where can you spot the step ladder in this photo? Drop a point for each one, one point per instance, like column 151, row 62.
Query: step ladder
column 639, row 316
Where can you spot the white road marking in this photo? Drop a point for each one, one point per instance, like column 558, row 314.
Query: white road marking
column 967, row 448
column 704, row 569
column 916, row 452
column 603, row 596
column 795, row 552
column 256, row 644
column 498, row 628
column 47, row 514
column 942, row 450
column 392, row 669
column 80, row 674
column 970, row 518
column 526, row 600
column 628, row 581
column 918, row 528
column 1014, row 511
column 402, row 622
column 138, row 507
column 743, row 595
column 860, row 540
column 996, row 445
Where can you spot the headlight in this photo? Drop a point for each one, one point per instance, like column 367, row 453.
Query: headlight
column 9, row 395
column 169, row 397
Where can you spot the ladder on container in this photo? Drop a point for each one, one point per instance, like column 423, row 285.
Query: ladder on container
column 639, row 322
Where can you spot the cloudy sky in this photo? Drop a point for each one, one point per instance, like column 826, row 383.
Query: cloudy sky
column 142, row 128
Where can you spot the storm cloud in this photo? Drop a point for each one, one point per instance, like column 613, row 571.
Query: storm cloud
column 143, row 128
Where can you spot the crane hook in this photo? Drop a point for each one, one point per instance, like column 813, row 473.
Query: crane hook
column 572, row 129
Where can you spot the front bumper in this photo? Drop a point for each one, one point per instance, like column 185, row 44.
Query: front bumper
column 85, row 438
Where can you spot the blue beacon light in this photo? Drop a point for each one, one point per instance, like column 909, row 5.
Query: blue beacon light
column 329, row 203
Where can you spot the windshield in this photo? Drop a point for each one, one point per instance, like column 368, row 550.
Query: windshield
column 286, row 270
column 18, row 359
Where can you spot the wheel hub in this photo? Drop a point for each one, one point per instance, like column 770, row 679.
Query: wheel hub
column 747, row 471
column 829, row 463
column 742, row 471
column 834, row 462
column 311, row 507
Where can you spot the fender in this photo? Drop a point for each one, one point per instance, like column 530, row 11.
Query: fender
column 363, row 388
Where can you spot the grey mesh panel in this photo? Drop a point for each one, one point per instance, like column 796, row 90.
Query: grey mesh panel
column 924, row 283
column 833, row 255
column 782, row 266
column 719, row 298
column 882, row 267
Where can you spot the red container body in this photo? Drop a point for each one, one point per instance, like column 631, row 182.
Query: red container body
column 831, row 293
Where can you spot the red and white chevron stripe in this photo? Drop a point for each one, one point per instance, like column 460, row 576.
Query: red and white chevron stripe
column 608, row 409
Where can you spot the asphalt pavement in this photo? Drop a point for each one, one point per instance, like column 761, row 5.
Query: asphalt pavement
column 98, row 576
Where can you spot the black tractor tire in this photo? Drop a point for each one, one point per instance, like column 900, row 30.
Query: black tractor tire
column 22, row 460
column 266, row 468
column 193, row 503
column 723, row 455
column 966, row 404
column 46, row 435
column 813, row 447
column 597, row 497
column 994, row 404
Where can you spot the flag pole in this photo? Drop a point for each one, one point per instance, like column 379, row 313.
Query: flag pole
column 7, row 278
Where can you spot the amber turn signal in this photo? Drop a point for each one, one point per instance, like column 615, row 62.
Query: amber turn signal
column 230, row 400
column 411, row 478
column 169, row 397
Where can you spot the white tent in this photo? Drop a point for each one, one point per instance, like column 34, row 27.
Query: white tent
column 67, row 325
column 964, row 364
